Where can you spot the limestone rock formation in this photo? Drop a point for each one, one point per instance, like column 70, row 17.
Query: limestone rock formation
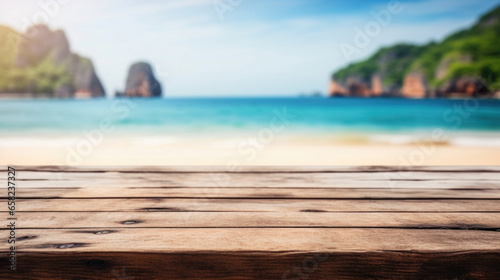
column 86, row 82
column 465, row 64
column 465, row 87
column 414, row 86
column 41, row 43
column 444, row 65
column 49, row 52
column 357, row 88
column 141, row 82
column 337, row 90
column 377, row 88
column 379, row 76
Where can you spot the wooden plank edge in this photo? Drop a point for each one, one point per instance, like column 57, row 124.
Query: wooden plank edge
column 255, row 265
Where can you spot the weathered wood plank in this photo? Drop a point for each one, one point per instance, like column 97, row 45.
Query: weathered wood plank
column 255, row 205
column 270, row 192
column 256, row 266
column 177, row 240
column 252, row 178
column 387, row 179
column 118, row 182
column 251, row 169
column 256, row 223
column 464, row 221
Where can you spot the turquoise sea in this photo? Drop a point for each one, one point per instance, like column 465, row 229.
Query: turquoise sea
column 467, row 122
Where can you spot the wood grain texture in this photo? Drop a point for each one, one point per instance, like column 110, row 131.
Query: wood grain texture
column 362, row 177
column 251, row 169
column 465, row 221
column 231, row 182
column 256, row 266
column 131, row 223
column 254, row 205
column 252, row 193
column 271, row 240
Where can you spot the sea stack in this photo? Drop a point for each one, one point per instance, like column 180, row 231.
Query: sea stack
column 141, row 82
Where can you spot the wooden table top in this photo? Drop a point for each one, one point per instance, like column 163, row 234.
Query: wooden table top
column 131, row 223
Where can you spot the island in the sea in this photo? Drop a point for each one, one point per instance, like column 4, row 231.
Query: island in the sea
column 141, row 82
column 39, row 63
column 465, row 64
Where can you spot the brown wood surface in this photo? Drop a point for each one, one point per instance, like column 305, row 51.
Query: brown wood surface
column 171, row 240
column 255, row 205
column 131, row 223
column 265, row 192
column 255, row 265
column 438, row 220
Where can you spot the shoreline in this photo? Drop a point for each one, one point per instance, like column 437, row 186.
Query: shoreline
column 230, row 153
column 30, row 96
column 233, row 138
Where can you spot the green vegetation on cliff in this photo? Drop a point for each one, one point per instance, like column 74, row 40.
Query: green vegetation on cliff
column 473, row 52
column 41, row 62
column 44, row 77
column 390, row 64
column 8, row 42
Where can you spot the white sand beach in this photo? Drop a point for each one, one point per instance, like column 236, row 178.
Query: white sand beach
column 205, row 151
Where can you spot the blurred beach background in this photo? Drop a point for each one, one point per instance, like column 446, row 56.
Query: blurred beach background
column 246, row 131
column 235, row 83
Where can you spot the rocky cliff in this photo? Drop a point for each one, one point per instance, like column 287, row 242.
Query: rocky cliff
column 41, row 62
column 380, row 75
column 141, row 82
column 465, row 64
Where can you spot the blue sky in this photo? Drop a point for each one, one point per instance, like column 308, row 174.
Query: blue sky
column 254, row 48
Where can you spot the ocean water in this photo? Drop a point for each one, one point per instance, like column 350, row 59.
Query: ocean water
column 392, row 121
